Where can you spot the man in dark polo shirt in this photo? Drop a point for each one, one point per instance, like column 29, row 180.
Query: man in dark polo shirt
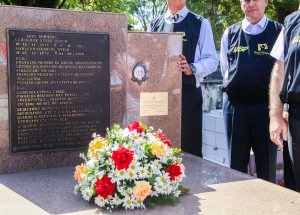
column 198, row 59
column 246, row 66
column 286, row 78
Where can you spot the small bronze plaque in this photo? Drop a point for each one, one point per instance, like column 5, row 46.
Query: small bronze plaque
column 59, row 89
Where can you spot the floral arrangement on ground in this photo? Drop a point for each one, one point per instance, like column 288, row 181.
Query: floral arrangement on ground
column 135, row 167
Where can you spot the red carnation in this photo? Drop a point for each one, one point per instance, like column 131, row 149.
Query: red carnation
column 122, row 157
column 104, row 187
column 163, row 138
column 168, row 142
column 174, row 171
column 135, row 126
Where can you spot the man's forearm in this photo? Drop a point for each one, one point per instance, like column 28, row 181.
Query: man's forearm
column 276, row 83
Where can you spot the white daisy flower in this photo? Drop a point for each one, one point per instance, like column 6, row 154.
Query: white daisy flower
column 121, row 174
column 135, row 135
column 113, row 175
column 92, row 164
column 116, row 200
column 100, row 201
column 163, row 179
column 125, row 133
column 159, row 188
column 99, row 174
column 122, row 191
column 87, row 193
column 143, row 173
column 155, row 170
column 134, row 166
column 128, row 202
column 131, row 175
column 151, row 137
column 129, row 146
column 168, row 190
column 140, row 204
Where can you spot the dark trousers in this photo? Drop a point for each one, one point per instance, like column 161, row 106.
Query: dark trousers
column 294, row 141
column 191, row 123
column 247, row 126
column 288, row 174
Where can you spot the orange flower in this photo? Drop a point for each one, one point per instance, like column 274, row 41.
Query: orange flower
column 79, row 170
column 141, row 190
column 159, row 149
column 96, row 144
column 182, row 167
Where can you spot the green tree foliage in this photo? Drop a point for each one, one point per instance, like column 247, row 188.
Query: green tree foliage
column 279, row 9
column 220, row 13
column 35, row 3
column 114, row 6
column 223, row 13
column 139, row 12
column 210, row 10
column 143, row 11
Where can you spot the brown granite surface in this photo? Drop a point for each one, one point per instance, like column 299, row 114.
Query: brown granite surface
column 249, row 197
column 159, row 52
column 59, row 20
column 215, row 190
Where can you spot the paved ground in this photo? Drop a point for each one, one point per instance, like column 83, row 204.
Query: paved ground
column 50, row 191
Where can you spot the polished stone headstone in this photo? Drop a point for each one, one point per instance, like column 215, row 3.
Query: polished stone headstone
column 158, row 53
column 143, row 70
column 67, row 21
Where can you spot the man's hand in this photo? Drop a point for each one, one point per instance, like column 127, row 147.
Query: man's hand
column 183, row 66
column 278, row 126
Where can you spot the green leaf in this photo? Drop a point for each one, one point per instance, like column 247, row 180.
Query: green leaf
column 170, row 162
column 183, row 190
column 148, row 149
column 162, row 199
column 152, row 179
column 176, row 150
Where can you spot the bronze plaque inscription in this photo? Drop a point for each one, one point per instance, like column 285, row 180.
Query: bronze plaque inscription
column 59, row 89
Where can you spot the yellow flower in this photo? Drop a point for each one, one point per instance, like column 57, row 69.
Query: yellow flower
column 159, row 149
column 79, row 170
column 96, row 144
column 141, row 190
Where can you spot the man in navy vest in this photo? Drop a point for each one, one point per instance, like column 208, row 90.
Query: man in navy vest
column 286, row 77
column 199, row 59
column 246, row 66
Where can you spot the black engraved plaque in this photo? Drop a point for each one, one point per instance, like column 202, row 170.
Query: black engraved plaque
column 59, row 89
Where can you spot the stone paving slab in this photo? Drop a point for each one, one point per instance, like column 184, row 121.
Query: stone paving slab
column 50, row 191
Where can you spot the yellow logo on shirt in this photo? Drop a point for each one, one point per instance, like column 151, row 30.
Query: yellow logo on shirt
column 240, row 49
column 261, row 47
column 296, row 39
column 183, row 35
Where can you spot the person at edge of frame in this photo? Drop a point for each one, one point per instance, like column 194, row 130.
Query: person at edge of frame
column 246, row 66
column 199, row 59
column 284, row 89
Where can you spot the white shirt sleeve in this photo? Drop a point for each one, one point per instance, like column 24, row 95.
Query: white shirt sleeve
column 206, row 60
column 278, row 48
column 223, row 55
